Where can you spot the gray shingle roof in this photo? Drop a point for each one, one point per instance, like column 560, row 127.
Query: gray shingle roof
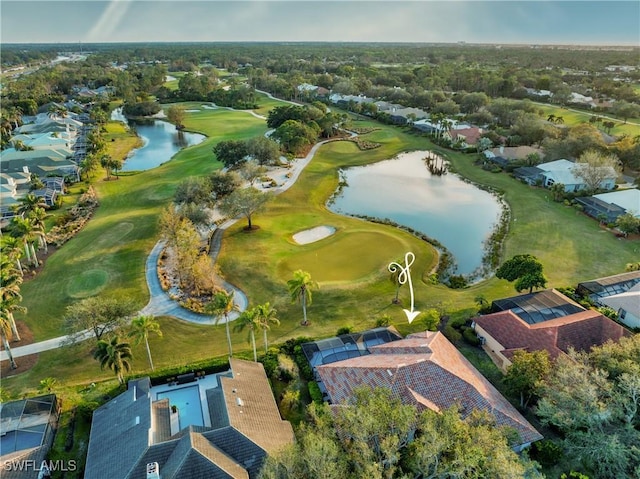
column 132, row 430
column 119, row 433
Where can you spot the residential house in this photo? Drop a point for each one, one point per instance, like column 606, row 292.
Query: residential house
column 545, row 320
column 561, row 171
column 613, row 204
column 43, row 141
column 505, row 155
column 620, row 292
column 427, row 371
column 137, row 434
column 464, row 138
column 27, row 429
column 402, row 115
column 40, row 163
column 627, row 305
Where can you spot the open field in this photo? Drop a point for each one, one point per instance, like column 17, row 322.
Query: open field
column 574, row 117
column 109, row 254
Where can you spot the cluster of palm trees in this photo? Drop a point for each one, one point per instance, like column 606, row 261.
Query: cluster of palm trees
column 26, row 230
column 262, row 316
column 116, row 355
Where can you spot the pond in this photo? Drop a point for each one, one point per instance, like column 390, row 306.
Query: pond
column 457, row 214
column 161, row 140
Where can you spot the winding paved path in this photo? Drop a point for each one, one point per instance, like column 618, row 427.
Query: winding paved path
column 160, row 304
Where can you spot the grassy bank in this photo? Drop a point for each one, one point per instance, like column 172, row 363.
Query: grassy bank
column 350, row 265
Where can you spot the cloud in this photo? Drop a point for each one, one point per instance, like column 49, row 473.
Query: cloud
column 109, row 21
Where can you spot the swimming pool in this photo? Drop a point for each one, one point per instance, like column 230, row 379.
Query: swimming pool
column 187, row 400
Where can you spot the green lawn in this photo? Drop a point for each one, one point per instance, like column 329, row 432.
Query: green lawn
column 109, row 254
column 572, row 118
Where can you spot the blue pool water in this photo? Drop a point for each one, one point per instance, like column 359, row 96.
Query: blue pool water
column 189, row 406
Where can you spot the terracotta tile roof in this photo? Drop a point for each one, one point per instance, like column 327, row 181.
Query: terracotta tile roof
column 580, row 331
column 251, row 407
column 469, row 135
column 426, row 370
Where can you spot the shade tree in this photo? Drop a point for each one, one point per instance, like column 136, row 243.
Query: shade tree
column 244, row 202
column 525, row 270
column 98, row 314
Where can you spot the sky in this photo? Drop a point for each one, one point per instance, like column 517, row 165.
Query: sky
column 478, row 21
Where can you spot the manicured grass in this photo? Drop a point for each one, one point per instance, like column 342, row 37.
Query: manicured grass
column 572, row 118
column 119, row 237
column 120, row 140
column 332, row 260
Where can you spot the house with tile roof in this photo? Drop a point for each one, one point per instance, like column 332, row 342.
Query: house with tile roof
column 137, row 432
column 542, row 321
column 427, row 371
column 465, row 138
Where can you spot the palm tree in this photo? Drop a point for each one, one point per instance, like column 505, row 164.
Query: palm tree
column 25, row 229
column 300, row 290
column 10, row 297
column 38, row 216
column 394, row 277
column 220, row 306
column 10, row 247
column 265, row 314
column 248, row 319
column 140, row 329
column 114, row 355
column 29, row 203
column 5, row 335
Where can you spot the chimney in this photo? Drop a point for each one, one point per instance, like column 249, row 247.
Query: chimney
column 153, row 470
column 501, row 149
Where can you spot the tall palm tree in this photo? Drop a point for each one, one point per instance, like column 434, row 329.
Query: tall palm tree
column 10, row 297
column 220, row 307
column 37, row 216
column 140, row 329
column 25, row 229
column 394, row 277
column 114, row 355
column 29, row 203
column 265, row 315
column 247, row 319
column 10, row 247
column 5, row 335
column 300, row 290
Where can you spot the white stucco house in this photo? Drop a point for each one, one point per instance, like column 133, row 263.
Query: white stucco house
column 627, row 305
column 564, row 171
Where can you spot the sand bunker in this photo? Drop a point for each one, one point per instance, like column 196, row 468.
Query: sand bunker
column 313, row 234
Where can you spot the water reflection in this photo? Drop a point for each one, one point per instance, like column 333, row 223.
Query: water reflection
column 161, row 140
column 457, row 214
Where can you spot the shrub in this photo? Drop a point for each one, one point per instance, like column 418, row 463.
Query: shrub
column 383, row 321
column 270, row 362
column 344, row 330
column 546, row 452
column 470, row 337
column 315, row 393
column 451, row 334
column 287, row 368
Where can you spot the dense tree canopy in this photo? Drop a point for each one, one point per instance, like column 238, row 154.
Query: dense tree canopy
column 525, row 270
column 376, row 436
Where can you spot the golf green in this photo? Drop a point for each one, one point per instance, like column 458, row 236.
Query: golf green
column 88, row 283
column 346, row 256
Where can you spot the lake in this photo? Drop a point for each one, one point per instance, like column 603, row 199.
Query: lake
column 161, row 140
column 456, row 213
